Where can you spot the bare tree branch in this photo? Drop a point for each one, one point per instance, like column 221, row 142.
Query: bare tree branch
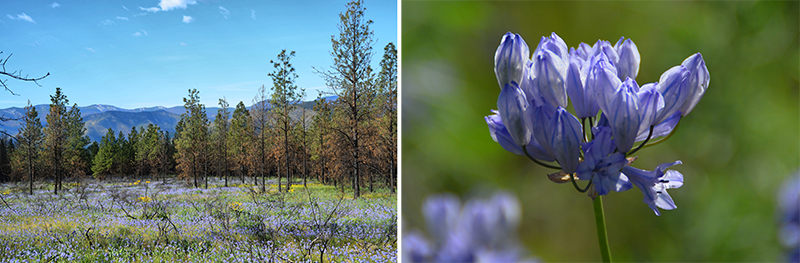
column 17, row 74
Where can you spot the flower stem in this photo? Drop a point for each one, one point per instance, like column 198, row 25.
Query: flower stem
column 525, row 150
column 602, row 235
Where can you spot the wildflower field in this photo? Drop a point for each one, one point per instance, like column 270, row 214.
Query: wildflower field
column 155, row 221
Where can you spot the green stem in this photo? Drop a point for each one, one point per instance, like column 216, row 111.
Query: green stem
column 665, row 138
column 602, row 235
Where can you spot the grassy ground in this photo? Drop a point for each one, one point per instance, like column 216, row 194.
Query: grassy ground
column 150, row 221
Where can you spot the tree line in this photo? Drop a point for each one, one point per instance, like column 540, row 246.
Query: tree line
column 349, row 141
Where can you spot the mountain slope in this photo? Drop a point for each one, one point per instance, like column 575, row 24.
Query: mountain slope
column 99, row 117
column 97, row 124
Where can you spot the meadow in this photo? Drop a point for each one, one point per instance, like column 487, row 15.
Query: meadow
column 153, row 221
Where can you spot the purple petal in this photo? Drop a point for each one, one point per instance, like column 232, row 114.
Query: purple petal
column 672, row 86
column 650, row 102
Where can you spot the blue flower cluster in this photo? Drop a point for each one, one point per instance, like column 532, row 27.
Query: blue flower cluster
column 789, row 208
column 532, row 118
column 481, row 231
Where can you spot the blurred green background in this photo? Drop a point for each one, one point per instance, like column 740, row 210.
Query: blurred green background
column 737, row 146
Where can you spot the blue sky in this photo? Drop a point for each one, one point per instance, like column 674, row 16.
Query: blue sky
column 143, row 53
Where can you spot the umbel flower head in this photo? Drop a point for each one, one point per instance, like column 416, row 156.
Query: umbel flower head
column 613, row 116
column 480, row 231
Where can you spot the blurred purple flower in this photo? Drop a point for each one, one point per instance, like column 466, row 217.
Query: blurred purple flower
column 481, row 231
column 789, row 208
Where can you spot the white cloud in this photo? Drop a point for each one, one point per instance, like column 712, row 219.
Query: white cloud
column 140, row 14
column 224, row 12
column 54, row 5
column 122, row 18
column 107, row 22
column 123, row 7
column 139, row 33
column 183, row 44
column 167, row 5
column 187, row 19
column 253, row 13
column 150, row 9
column 91, row 49
column 22, row 16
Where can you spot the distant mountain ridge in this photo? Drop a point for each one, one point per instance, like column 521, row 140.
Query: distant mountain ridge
column 99, row 117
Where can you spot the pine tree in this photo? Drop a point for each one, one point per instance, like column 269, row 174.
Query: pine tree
column 30, row 139
column 221, row 128
column 240, row 134
column 56, row 136
column 285, row 97
column 193, row 139
column 107, row 154
column 388, row 94
column 76, row 154
column 351, row 78
column 260, row 116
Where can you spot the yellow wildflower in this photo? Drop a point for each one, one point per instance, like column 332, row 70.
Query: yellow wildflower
column 236, row 206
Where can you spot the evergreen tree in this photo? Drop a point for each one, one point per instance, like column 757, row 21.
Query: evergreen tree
column 107, row 154
column 260, row 116
column 240, row 135
column 76, row 154
column 30, row 139
column 147, row 149
column 192, row 142
column 285, row 97
column 221, row 128
column 129, row 153
column 388, row 94
column 56, row 139
column 351, row 78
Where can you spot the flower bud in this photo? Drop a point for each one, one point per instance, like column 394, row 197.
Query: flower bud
column 672, row 85
column 582, row 100
column 564, row 136
column 512, row 105
column 650, row 102
column 623, row 117
column 603, row 82
column 602, row 46
column 550, row 71
column 441, row 214
column 554, row 44
column 628, row 64
column 510, row 59
column 697, row 82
